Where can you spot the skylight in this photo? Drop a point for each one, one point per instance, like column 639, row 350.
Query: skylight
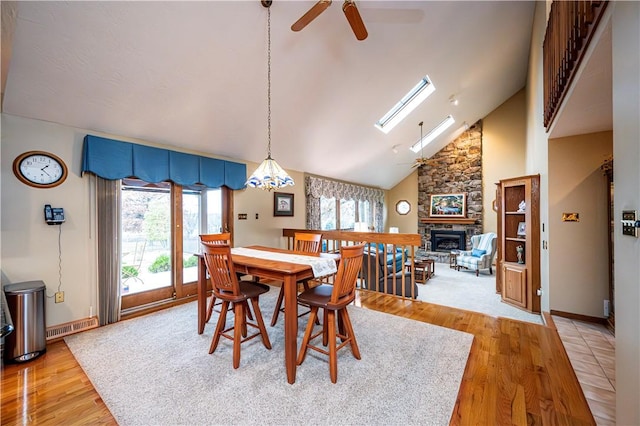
column 434, row 133
column 408, row 103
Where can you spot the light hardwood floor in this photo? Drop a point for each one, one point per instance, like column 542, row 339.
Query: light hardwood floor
column 517, row 373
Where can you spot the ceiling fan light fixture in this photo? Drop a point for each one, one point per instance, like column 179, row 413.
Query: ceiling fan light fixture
column 434, row 133
column 269, row 175
column 408, row 103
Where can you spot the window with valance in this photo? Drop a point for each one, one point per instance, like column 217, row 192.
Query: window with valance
column 367, row 202
column 111, row 159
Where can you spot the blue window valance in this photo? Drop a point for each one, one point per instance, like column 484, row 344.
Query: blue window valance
column 111, row 159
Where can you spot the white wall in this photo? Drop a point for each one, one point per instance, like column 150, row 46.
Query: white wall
column 578, row 257
column 626, row 151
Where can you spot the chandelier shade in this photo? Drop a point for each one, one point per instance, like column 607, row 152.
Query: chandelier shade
column 269, row 175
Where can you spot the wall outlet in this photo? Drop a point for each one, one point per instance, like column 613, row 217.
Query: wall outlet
column 606, row 308
column 59, row 296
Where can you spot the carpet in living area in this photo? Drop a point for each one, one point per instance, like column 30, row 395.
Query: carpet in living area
column 463, row 290
column 156, row 369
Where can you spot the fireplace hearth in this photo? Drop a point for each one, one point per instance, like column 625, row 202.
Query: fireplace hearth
column 445, row 240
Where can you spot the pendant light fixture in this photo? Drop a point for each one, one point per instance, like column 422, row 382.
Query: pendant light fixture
column 269, row 175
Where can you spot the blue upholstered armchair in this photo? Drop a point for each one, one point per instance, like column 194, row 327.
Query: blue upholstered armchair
column 483, row 250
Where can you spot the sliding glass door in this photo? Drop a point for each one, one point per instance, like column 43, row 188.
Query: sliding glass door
column 159, row 235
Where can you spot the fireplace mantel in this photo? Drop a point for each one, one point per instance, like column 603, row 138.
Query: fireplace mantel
column 452, row 220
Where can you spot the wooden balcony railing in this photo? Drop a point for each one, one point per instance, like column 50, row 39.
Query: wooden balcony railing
column 569, row 30
column 393, row 277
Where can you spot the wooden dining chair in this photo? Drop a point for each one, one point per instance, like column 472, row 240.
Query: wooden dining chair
column 333, row 300
column 304, row 243
column 216, row 239
column 228, row 289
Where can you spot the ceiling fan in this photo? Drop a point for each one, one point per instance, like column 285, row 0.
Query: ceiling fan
column 420, row 161
column 350, row 11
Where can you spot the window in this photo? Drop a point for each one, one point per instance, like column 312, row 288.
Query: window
column 156, row 263
column 347, row 214
column 408, row 103
column 328, row 218
column 339, row 205
column 365, row 213
column 433, row 133
column 145, row 250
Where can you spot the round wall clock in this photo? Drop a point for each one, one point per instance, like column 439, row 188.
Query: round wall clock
column 40, row 169
column 403, row 207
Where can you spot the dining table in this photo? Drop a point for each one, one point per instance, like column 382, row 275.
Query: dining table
column 275, row 264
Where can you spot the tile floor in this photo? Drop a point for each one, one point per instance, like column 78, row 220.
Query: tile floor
column 591, row 350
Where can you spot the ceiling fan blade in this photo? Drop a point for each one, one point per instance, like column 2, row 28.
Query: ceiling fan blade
column 353, row 16
column 311, row 14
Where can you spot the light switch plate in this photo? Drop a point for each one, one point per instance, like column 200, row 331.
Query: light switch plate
column 629, row 218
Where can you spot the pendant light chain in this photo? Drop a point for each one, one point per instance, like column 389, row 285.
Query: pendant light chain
column 421, row 144
column 269, row 175
column 268, row 82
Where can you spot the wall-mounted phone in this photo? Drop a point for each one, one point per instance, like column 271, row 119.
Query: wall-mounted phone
column 53, row 215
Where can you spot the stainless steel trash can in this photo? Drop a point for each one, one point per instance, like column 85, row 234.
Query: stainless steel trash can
column 26, row 302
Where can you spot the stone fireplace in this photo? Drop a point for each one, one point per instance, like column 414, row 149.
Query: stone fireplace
column 455, row 169
column 445, row 240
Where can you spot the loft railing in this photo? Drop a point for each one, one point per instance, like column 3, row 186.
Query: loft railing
column 569, row 30
column 396, row 252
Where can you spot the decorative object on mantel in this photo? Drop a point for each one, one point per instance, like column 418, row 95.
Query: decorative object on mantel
column 520, row 253
column 448, row 205
column 269, row 175
column 522, row 207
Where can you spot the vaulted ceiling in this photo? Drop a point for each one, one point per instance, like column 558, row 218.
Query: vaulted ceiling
column 193, row 75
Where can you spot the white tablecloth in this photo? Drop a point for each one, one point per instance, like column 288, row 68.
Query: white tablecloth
column 321, row 266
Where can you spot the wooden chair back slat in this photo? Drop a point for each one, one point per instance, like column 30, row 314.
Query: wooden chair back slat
column 223, row 238
column 308, row 243
column 217, row 257
column 344, row 286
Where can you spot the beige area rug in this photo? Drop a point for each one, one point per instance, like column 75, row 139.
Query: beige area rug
column 463, row 290
column 156, row 370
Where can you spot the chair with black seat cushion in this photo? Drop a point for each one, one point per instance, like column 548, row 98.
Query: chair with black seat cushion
column 333, row 300
column 304, row 243
column 228, row 289
column 216, row 239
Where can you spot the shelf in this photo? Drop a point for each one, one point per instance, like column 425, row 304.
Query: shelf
column 518, row 282
column 456, row 220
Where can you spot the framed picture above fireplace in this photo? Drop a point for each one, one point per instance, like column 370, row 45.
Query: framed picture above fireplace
column 448, row 205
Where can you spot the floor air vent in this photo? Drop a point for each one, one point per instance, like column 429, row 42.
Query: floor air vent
column 67, row 328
